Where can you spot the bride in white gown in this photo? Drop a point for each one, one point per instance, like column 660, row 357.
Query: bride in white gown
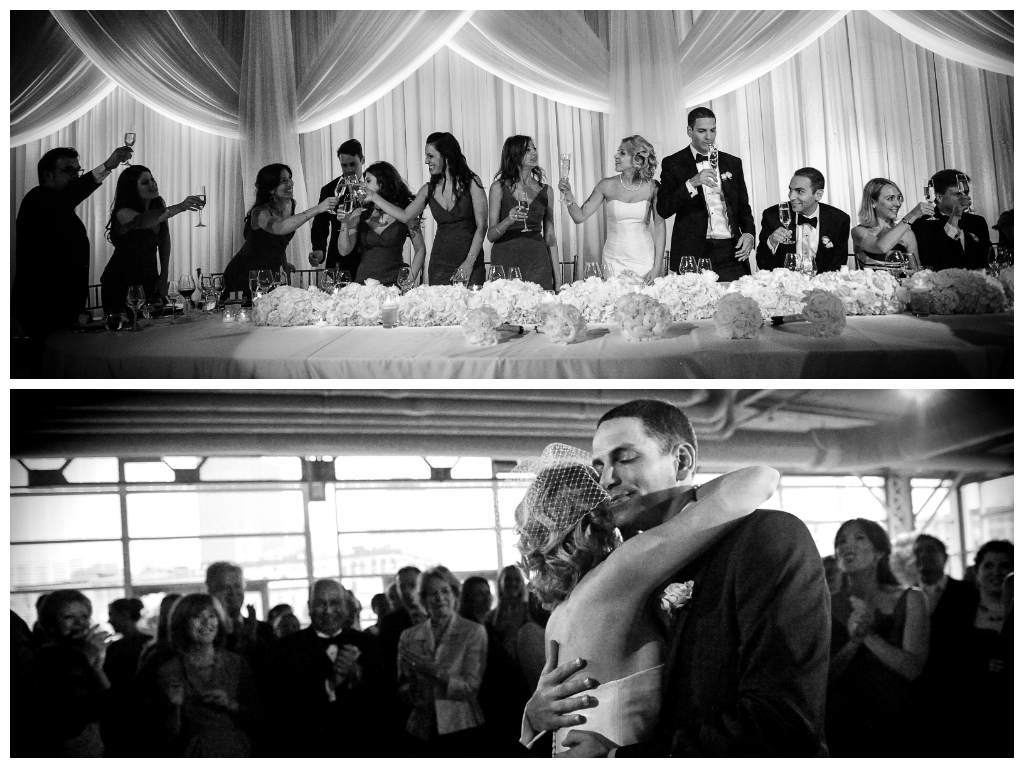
column 629, row 199
column 600, row 589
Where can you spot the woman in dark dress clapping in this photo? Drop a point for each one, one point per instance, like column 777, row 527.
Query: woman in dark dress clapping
column 533, row 250
column 458, row 204
column 138, row 230
column 269, row 226
column 381, row 236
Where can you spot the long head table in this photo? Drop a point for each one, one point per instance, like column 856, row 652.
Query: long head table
column 892, row 346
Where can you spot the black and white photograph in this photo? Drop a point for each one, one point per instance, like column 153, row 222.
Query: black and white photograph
column 512, row 194
column 496, row 573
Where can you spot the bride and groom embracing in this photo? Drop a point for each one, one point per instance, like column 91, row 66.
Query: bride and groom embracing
column 705, row 632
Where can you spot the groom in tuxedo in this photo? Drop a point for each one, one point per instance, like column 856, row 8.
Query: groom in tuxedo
column 747, row 656
column 713, row 217
column 815, row 228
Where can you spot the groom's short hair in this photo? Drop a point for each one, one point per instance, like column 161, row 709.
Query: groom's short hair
column 662, row 421
column 698, row 113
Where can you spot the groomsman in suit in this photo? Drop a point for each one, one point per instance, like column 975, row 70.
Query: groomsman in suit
column 713, row 217
column 325, row 227
column 333, row 680
column 956, row 239
column 815, row 228
column 747, row 657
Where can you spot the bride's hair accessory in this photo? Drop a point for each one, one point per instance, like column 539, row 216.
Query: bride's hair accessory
column 563, row 490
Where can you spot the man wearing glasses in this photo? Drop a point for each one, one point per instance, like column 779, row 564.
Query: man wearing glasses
column 52, row 245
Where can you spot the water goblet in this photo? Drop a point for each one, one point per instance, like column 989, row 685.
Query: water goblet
column 459, row 277
column 592, row 269
column 495, row 272
column 704, row 264
column 789, row 262
column 514, row 273
column 687, row 264
column 135, row 298
column 265, row 281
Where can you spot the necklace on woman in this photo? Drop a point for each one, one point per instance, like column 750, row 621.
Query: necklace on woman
column 630, row 189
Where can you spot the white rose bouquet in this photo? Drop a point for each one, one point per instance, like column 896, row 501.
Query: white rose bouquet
column 737, row 317
column 478, row 326
column 825, row 312
column 642, row 318
column 563, row 324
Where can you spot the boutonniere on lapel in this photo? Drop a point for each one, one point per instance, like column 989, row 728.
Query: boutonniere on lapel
column 726, row 175
column 973, row 236
column 826, row 242
column 676, row 596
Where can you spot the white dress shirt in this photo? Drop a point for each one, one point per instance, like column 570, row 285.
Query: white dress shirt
column 718, row 217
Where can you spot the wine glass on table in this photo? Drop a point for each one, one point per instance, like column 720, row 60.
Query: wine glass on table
column 265, row 281
column 514, row 273
column 687, row 265
column 201, row 194
column 342, row 278
column 459, row 277
column 129, row 138
column 172, row 299
column 404, row 280
column 186, row 287
column 495, row 272
column 995, row 260
column 564, row 163
column 135, row 298
column 254, row 284
column 704, row 264
column 327, row 281
column 929, row 195
column 896, row 262
column 789, row 262
column 592, row 269
column 805, row 265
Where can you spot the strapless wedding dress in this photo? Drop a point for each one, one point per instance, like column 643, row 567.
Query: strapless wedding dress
column 627, row 709
column 629, row 244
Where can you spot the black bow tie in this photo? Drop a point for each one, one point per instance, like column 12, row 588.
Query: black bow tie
column 702, row 158
column 801, row 219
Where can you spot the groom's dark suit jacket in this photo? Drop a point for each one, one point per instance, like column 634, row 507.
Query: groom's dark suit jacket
column 833, row 239
column 690, row 230
column 748, row 655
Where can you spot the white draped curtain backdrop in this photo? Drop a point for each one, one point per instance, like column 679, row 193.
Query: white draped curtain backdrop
column 218, row 94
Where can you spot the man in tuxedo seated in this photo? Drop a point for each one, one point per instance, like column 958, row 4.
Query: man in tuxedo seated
column 955, row 239
column 815, row 228
column 713, row 217
column 333, row 681
column 942, row 686
column 325, row 227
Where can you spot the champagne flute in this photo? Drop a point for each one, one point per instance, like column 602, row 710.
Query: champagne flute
column 784, row 214
column 217, row 283
column 687, row 264
column 135, row 298
column 564, row 163
column 929, row 195
column 404, row 280
column 201, row 194
column 172, row 298
column 129, row 138
column 351, row 179
column 254, row 282
column 495, row 272
column 704, row 264
column 592, row 269
column 713, row 162
column 186, row 287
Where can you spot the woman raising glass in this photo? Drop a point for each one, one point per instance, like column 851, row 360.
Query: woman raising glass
column 382, row 237
column 630, row 197
column 878, row 232
column 138, row 230
column 879, row 647
column 521, row 222
column 269, row 226
column 458, row 204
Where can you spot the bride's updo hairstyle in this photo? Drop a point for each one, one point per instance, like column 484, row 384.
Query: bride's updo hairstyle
column 645, row 161
column 564, row 531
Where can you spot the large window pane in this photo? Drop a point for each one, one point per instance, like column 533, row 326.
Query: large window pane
column 211, row 513
column 60, row 565
column 472, row 468
column 174, row 560
column 294, row 593
column 364, row 590
column 323, row 533
column 65, row 517
column 91, row 470
column 824, row 503
column 19, row 475
column 414, row 508
column 366, row 554
column 381, row 468
column 147, row 472
column 251, row 468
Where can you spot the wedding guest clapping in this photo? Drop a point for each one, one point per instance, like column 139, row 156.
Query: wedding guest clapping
column 138, row 230
column 879, row 646
column 955, row 238
column 878, row 232
column 51, row 242
column 269, row 226
column 521, row 222
column 379, row 236
column 630, row 198
column 458, row 204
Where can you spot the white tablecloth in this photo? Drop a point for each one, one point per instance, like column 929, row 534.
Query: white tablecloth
column 896, row 346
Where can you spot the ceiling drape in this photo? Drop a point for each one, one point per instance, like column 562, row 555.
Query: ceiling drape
column 982, row 39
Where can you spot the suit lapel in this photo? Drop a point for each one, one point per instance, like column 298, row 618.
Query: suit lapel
column 694, row 572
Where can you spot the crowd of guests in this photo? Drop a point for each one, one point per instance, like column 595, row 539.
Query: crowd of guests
column 443, row 672
column 704, row 189
column 921, row 663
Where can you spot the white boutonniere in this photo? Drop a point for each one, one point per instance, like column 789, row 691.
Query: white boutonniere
column 826, row 242
column 676, row 596
column 973, row 236
column 726, row 175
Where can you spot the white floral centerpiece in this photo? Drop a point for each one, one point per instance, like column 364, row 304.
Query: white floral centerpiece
column 642, row 318
column 432, row 305
column 863, row 291
column 515, row 301
column 595, row 298
column 689, row 296
column 287, row 306
column 778, row 292
column 357, row 304
column 956, row 291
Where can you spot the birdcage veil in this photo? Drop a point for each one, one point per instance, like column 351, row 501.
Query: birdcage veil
column 564, row 488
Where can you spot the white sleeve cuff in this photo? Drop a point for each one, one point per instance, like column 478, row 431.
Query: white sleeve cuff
column 527, row 736
column 772, row 246
column 612, row 752
column 953, row 232
column 99, row 173
column 689, row 186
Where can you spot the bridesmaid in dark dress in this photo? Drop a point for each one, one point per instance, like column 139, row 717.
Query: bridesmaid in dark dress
column 535, row 251
column 382, row 237
column 459, row 206
column 138, row 230
column 879, row 647
column 269, row 226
